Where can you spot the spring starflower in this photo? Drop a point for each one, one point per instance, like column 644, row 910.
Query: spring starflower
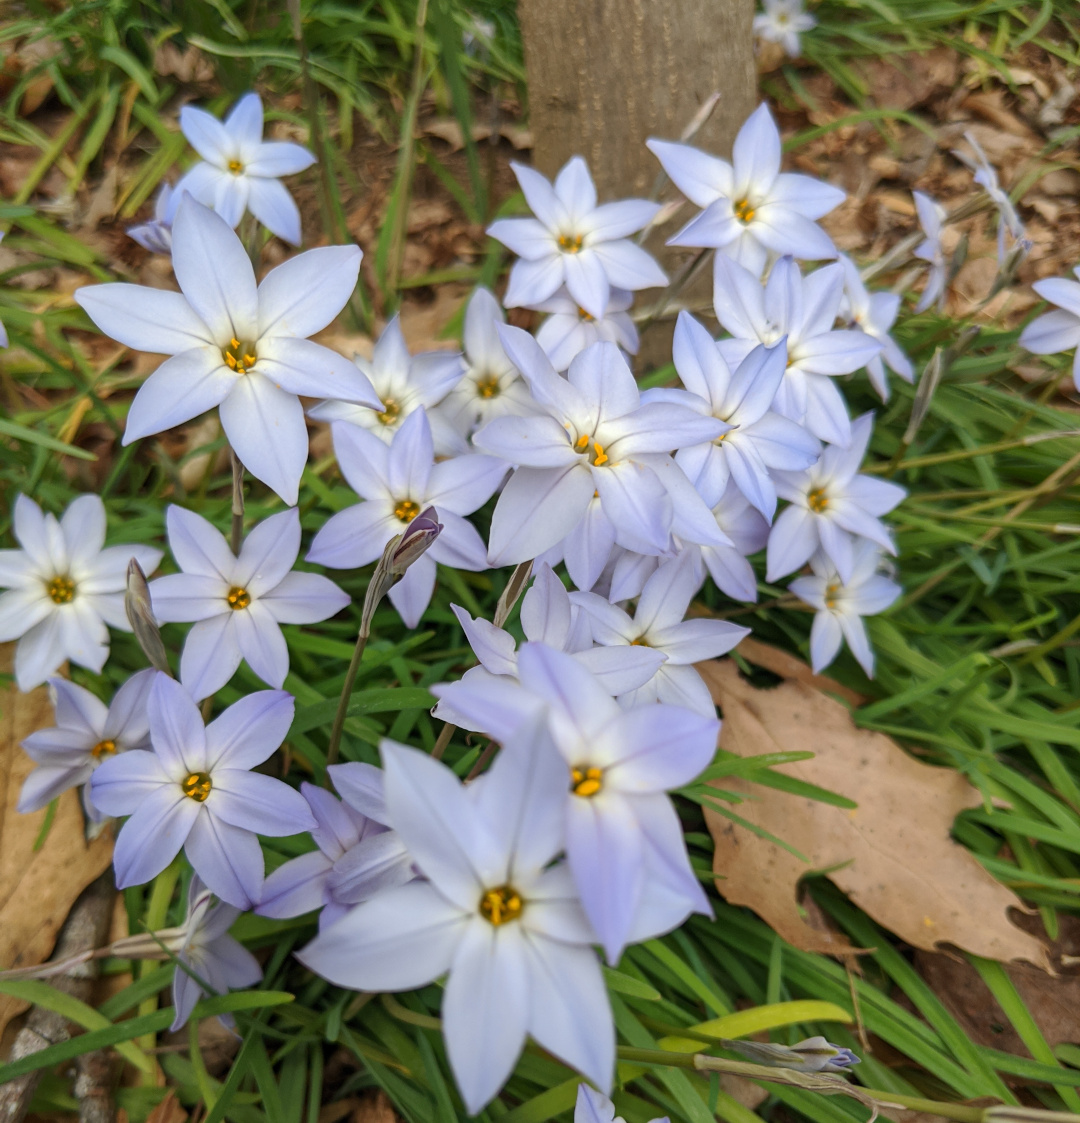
column 594, row 1107
column 624, row 844
column 804, row 310
column 240, row 171
column 1058, row 330
column 751, row 208
column 659, row 624
column 755, row 440
column 404, row 383
column 156, row 235
column 840, row 605
column 238, row 603
column 236, row 345
column 596, row 437
column 491, row 386
column 64, row 586
column 492, row 914
column 569, row 329
column 203, row 943
column 783, row 21
column 87, row 732
column 196, row 790
column 397, row 482
column 572, row 241
column 357, row 855
column 874, row 313
column 932, row 217
column 832, row 506
column 985, row 175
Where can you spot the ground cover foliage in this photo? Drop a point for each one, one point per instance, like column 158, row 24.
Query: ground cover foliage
column 978, row 668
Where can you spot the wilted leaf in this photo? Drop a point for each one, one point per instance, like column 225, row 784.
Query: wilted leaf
column 893, row 855
column 37, row 887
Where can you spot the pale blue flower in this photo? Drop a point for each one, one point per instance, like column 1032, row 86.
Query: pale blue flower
column 493, row 915
column 831, row 507
column 156, row 235
column 874, row 313
column 624, row 843
column 65, row 588
column 572, row 241
column 397, row 482
column 87, row 733
column 240, row 171
column 357, row 854
column 1058, row 330
column 238, row 603
column 569, row 329
column 594, row 1107
column 196, row 790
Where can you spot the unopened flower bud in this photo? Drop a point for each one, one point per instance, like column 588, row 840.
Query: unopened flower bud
column 815, row 1054
column 398, row 555
column 418, row 537
column 140, row 616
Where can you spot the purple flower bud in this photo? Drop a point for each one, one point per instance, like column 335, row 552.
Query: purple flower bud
column 421, row 533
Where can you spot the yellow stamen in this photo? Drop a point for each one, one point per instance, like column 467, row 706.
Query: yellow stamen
column 197, row 786
column 817, row 500
column 571, row 243
column 235, row 167
column 240, row 357
column 390, row 412
column 831, row 591
column 61, row 590
column 582, row 314
column 744, row 210
column 586, row 782
column 641, row 641
column 103, row 748
column 238, row 597
column 407, row 510
column 497, row 906
column 487, row 387
column 582, row 442
column 601, row 456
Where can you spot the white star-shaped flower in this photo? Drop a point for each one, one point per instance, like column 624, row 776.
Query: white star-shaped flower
column 751, row 208
column 782, row 21
column 841, row 605
column 64, row 586
column 931, row 218
column 235, row 345
column 569, row 329
column 240, row 171
column 1058, row 330
column 572, row 241
column 238, row 603
column 874, row 313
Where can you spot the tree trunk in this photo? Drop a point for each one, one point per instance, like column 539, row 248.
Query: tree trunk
column 605, row 75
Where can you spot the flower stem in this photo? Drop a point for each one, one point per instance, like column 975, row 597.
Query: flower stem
column 157, row 909
column 236, row 536
column 343, row 702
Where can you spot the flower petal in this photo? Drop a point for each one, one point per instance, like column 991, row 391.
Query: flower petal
column 181, row 388
column 262, row 644
column 250, row 730
column 228, row 859
column 275, row 158
column 145, row 319
column 270, row 202
column 537, row 509
column 176, row 728
column 211, row 655
column 152, row 837
column 304, row 598
column 258, row 803
column 303, row 295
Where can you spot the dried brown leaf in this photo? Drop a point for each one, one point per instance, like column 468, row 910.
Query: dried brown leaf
column 893, row 855
column 37, row 887
column 168, row 1111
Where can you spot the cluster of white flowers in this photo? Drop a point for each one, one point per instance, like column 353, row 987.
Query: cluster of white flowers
column 570, row 840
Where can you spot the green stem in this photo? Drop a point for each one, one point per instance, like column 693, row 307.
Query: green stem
column 157, row 911
column 343, row 702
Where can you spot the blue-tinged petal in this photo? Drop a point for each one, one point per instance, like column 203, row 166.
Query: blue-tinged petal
column 354, row 537
column 296, row 887
column 412, row 594
column 701, row 177
column 152, row 837
column 245, row 734
column 656, row 748
column 794, row 537
column 270, row 202
column 176, row 728
column 123, row 782
column 275, row 158
column 303, row 295
column 532, row 281
column 536, row 510
column 262, row 644
column 227, row 858
column 637, row 504
column 207, row 135
column 258, row 803
column 541, row 196
column 181, row 388
column 304, row 598
column 627, row 266
column 145, row 319
column 211, row 655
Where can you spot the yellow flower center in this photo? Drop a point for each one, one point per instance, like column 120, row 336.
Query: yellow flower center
column 487, row 387
column 586, row 782
column 62, row 590
column 197, row 786
column 744, row 210
column 390, row 413
column 103, row 748
column 583, row 315
column 817, row 500
column 239, row 357
column 238, row 597
column 235, row 167
column 571, row 243
column 831, row 597
column 497, row 906
column 598, row 456
column 407, row 510
column 641, row 641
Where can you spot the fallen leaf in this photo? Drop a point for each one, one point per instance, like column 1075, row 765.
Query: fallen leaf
column 168, row 1111
column 893, row 855
column 37, row 887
